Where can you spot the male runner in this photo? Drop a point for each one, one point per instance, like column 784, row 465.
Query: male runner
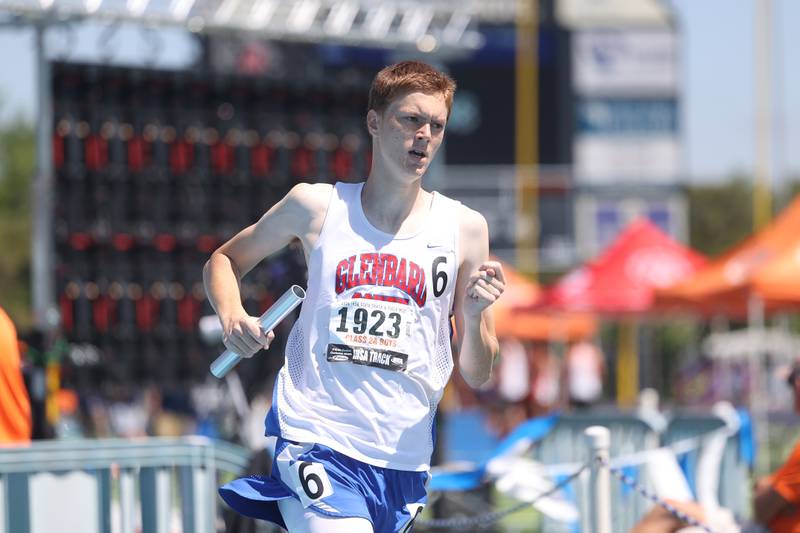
column 369, row 357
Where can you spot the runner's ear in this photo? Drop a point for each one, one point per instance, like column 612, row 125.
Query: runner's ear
column 372, row 121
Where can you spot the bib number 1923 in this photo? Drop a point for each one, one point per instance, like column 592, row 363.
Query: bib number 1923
column 376, row 323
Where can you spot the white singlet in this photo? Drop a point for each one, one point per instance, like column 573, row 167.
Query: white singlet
column 369, row 357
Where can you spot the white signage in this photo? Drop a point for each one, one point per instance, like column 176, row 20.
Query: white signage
column 612, row 13
column 600, row 217
column 746, row 343
column 625, row 62
column 627, row 116
column 604, row 159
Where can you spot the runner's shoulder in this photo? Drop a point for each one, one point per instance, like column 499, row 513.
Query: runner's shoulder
column 312, row 198
column 472, row 224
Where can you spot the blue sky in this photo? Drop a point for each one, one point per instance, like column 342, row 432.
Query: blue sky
column 718, row 85
column 717, row 79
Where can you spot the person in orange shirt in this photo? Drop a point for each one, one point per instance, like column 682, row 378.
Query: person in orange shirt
column 15, row 407
column 777, row 497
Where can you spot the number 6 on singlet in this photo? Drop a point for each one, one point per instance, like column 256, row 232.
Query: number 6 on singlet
column 311, row 482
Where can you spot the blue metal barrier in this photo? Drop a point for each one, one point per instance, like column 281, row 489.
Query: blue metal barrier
column 72, row 485
column 734, row 470
column 562, row 450
column 566, row 444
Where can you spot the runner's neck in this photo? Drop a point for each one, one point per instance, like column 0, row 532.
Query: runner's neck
column 395, row 209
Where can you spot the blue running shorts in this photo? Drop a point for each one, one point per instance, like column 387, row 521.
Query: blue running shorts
column 331, row 484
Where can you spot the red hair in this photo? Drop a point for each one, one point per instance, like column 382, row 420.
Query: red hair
column 409, row 76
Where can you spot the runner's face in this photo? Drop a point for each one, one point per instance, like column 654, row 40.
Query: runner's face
column 409, row 132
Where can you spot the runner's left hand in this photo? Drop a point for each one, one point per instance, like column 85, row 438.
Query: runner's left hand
column 484, row 287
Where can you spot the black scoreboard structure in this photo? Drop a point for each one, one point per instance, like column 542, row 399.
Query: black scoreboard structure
column 154, row 169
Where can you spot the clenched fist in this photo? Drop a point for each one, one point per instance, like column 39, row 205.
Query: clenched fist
column 243, row 335
column 484, row 287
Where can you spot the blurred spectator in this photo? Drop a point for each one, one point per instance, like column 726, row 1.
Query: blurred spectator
column 546, row 385
column 127, row 415
column 69, row 425
column 513, row 384
column 513, row 373
column 776, row 501
column 32, row 350
column 584, row 374
column 776, row 498
column 15, row 407
column 99, row 421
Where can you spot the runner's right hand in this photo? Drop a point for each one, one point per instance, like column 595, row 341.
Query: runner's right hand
column 243, row 335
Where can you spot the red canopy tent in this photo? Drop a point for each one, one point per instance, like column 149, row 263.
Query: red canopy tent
column 623, row 281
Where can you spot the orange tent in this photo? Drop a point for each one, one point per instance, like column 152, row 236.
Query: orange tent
column 527, row 325
column 513, row 317
column 724, row 285
column 519, row 291
column 778, row 281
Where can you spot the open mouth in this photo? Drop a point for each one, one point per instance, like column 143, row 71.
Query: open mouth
column 418, row 153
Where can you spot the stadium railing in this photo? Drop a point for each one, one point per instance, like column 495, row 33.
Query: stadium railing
column 115, row 485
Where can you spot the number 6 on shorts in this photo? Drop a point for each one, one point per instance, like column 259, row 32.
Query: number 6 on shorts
column 312, row 482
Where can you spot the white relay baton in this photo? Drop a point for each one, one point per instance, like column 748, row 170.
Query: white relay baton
column 271, row 317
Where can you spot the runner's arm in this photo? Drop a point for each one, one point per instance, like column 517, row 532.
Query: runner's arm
column 299, row 214
column 479, row 283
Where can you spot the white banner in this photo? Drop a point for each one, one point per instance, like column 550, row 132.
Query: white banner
column 605, row 160
column 740, row 345
column 612, row 13
column 625, row 62
column 627, row 116
column 601, row 214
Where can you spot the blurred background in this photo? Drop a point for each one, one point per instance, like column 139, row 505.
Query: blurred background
column 633, row 159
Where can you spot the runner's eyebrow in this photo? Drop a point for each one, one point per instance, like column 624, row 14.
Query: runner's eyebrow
column 419, row 112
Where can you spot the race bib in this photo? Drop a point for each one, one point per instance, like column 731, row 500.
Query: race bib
column 370, row 332
column 311, row 482
column 307, row 479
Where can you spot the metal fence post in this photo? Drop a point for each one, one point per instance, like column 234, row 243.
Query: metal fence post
column 17, row 513
column 149, row 500
column 103, row 477
column 598, row 439
column 187, row 497
column 18, row 500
